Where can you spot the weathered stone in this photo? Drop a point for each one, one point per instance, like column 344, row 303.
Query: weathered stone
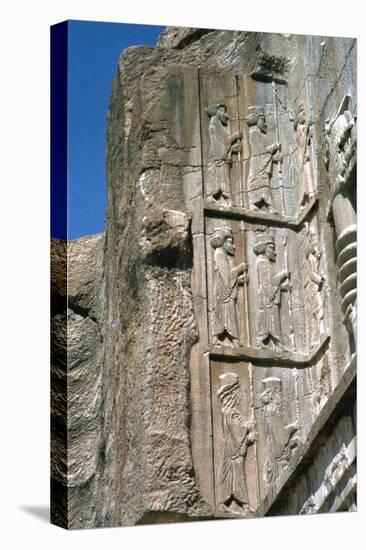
column 206, row 359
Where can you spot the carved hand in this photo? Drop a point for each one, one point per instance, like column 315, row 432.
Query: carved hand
column 293, row 427
column 243, row 279
column 252, row 437
column 235, row 136
column 275, row 147
column 286, row 286
column 321, row 281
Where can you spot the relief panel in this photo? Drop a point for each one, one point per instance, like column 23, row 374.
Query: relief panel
column 234, row 433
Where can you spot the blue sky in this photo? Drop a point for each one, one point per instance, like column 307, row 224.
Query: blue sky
column 94, row 50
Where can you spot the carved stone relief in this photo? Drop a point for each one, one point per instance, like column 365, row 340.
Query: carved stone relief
column 341, row 144
column 234, row 438
column 313, row 289
column 339, row 480
column 300, row 173
column 281, row 437
column 323, row 385
column 264, row 154
column 270, row 285
column 226, row 281
column 223, row 146
column 265, row 283
column 238, row 435
column 272, row 68
column 336, row 468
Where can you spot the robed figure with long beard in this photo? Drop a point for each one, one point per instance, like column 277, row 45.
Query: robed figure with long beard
column 226, row 281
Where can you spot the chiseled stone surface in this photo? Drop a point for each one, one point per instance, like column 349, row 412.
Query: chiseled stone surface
column 210, row 348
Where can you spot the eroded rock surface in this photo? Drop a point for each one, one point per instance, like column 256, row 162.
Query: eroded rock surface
column 169, row 350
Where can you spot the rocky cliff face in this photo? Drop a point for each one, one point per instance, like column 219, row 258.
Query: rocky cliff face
column 137, row 361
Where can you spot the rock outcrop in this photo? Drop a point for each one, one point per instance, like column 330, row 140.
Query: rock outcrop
column 147, row 389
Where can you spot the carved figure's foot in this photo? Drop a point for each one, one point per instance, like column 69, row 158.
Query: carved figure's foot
column 247, row 509
column 305, row 201
column 228, row 199
column 223, row 508
column 279, row 346
column 237, row 508
column 216, row 341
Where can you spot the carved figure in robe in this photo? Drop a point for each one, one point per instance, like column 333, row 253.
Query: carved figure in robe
column 222, row 146
column 264, row 155
column 238, row 435
column 313, row 287
column 270, row 286
column 300, row 159
column 226, row 281
column 281, row 438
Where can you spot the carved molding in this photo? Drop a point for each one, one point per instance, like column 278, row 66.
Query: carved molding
column 276, row 220
column 254, row 355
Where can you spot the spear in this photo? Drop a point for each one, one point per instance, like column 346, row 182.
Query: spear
column 250, row 367
column 242, row 227
column 274, row 93
column 241, row 185
column 292, row 336
column 245, row 290
column 295, row 375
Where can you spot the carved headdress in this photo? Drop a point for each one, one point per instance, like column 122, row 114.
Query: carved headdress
column 211, row 110
column 261, row 242
column 272, row 392
column 311, row 238
column 296, row 116
column 220, row 236
column 270, row 383
column 230, row 382
column 253, row 116
column 230, row 396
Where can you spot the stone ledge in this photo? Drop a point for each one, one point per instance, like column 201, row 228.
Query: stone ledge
column 289, row 359
column 280, row 220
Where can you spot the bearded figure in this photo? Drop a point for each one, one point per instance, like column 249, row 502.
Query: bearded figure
column 226, row 281
column 270, row 286
column 222, row 146
column 263, row 156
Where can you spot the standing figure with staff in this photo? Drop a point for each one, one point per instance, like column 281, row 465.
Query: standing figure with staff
column 270, row 286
